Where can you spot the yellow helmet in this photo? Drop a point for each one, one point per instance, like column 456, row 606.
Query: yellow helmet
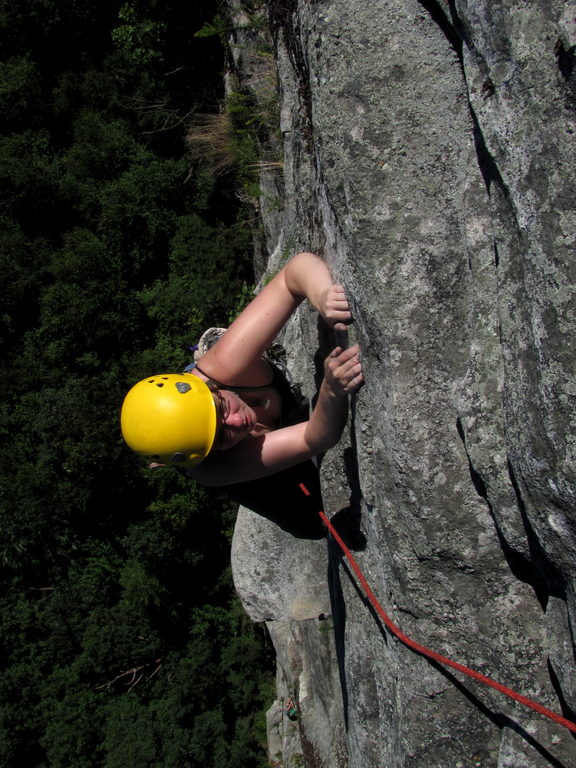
column 170, row 418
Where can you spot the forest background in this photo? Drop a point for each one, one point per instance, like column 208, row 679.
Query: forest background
column 122, row 644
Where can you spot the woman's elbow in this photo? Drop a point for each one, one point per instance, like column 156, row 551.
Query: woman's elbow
column 318, row 444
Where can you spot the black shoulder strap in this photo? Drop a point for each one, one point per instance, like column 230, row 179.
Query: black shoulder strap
column 220, row 385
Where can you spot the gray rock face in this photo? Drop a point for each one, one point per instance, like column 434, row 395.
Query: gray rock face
column 430, row 157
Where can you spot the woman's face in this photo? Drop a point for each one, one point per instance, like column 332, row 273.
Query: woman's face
column 237, row 419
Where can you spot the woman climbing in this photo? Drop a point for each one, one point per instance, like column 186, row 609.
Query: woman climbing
column 227, row 422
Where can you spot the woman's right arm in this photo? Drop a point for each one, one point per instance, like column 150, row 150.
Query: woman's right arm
column 236, row 359
column 307, row 275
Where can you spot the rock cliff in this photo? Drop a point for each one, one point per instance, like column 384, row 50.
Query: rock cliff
column 429, row 156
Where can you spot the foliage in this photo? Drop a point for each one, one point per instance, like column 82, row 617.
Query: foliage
column 122, row 643
column 242, row 138
column 215, row 28
column 243, row 298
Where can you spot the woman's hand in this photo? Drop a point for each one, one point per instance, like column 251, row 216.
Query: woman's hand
column 342, row 376
column 343, row 370
column 334, row 308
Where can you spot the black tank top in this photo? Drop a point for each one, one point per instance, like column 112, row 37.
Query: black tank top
column 278, row 497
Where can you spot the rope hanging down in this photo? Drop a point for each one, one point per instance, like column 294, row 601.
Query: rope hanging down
column 427, row 651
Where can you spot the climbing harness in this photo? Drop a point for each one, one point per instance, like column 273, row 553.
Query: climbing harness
column 427, row 651
column 205, row 342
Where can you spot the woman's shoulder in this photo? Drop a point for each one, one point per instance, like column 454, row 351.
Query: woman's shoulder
column 223, row 372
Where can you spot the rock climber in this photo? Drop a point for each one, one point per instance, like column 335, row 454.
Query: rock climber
column 228, row 420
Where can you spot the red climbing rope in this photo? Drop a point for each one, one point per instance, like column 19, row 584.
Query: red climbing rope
column 427, row 651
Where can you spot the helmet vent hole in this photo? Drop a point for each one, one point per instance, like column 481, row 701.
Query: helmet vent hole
column 160, row 384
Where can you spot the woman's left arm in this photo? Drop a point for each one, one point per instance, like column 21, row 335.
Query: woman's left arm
column 342, row 376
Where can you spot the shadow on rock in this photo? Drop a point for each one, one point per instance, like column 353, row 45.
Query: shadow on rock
column 280, row 499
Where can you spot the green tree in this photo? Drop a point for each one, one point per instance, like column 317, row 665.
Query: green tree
column 122, row 643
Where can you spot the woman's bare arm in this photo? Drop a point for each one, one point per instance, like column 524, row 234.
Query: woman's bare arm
column 342, row 377
column 236, row 359
column 306, row 275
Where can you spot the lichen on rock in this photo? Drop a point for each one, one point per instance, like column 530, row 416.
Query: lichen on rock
column 429, row 158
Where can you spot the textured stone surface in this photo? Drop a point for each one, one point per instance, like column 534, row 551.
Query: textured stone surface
column 274, row 581
column 430, row 156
